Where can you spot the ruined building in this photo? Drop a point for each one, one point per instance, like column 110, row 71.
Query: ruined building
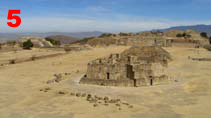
column 37, row 42
column 137, row 66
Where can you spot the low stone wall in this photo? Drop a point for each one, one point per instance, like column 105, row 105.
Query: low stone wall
column 15, row 61
column 126, row 83
column 201, row 59
column 121, row 83
column 184, row 44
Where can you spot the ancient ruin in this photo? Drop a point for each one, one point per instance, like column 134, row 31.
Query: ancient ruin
column 173, row 38
column 137, row 66
column 37, row 42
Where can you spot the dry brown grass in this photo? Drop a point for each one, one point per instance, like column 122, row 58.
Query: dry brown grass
column 21, row 84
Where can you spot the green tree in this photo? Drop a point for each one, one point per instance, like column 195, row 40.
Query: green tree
column 210, row 40
column 123, row 34
column 179, row 35
column 204, row 34
column 27, row 45
column 105, row 35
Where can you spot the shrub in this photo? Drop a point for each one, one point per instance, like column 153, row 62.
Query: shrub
column 54, row 42
column 105, row 35
column 210, row 40
column 12, row 61
column 208, row 47
column 123, row 34
column 179, row 35
column 204, row 34
column 67, row 49
column 11, row 43
column 27, row 45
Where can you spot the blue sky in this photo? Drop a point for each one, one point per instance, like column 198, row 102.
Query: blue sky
column 104, row 15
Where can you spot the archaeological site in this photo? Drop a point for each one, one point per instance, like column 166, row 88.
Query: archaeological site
column 105, row 59
column 135, row 67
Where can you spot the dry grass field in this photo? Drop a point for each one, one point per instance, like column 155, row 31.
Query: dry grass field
column 20, row 86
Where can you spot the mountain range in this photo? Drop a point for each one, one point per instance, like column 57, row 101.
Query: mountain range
column 79, row 35
column 197, row 28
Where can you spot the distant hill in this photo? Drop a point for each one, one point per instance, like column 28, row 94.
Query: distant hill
column 15, row 36
column 73, row 34
column 197, row 28
column 9, row 36
column 63, row 39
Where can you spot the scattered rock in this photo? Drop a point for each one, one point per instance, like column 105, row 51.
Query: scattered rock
column 67, row 73
column 62, row 92
column 95, row 105
column 45, row 89
column 118, row 105
column 83, row 95
column 106, row 104
column 126, row 103
column 50, row 81
column 96, row 100
column 89, row 98
column 77, row 71
column 114, row 101
column 12, row 61
column 72, row 94
column 78, row 94
column 58, row 80
column 131, row 106
column 106, row 98
column 100, row 98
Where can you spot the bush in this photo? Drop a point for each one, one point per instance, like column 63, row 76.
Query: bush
column 208, row 47
column 54, row 42
column 204, row 34
column 11, row 43
column 210, row 40
column 179, row 35
column 123, row 34
column 27, row 45
column 67, row 49
column 105, row 35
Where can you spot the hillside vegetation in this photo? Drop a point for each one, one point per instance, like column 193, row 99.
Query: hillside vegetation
column 62, row 39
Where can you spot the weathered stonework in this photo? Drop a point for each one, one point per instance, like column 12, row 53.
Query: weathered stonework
column 137, row 66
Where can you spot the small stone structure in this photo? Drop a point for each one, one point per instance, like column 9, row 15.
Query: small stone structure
column 137, row 66
column 178, row 42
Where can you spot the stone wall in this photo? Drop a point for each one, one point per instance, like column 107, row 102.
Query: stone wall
column 121, row 83
column 134, row 67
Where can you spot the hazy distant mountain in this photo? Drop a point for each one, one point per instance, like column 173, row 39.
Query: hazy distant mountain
column 9, row 36
column 198, row 28
column 15, row 36
column 63, row 39
column 73, row 34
